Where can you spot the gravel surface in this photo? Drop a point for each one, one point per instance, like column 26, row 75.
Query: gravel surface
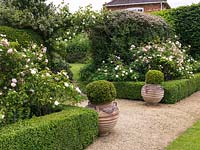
column 142, row 127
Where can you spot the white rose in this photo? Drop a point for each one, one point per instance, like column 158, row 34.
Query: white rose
column 14, row 80
column 10, row 51
column 34, row 46
column 3, row 116
column 66, row 84
column 13, row 84
column 56, row 103
column 33, row 71
column 47, row 74
column 5, row 42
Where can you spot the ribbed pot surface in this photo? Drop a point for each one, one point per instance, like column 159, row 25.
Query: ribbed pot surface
column 152, row 93
column 108, row 116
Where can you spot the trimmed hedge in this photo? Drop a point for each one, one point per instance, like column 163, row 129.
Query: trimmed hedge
column 23, row 36
column 174, row 90
column 72, row 129
column 185, row 21
column 129, row 90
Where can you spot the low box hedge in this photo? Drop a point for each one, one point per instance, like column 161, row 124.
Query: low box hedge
column 72, row 129
column 129, row 90
column 175, row 90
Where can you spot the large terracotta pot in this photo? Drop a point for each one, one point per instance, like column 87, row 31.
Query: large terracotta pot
column 152, row 93
column 108, row 116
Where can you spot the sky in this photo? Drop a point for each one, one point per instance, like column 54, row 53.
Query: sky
column 97, row 4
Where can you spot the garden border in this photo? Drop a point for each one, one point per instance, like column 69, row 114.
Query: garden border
column 175, row 90
column 72, row 129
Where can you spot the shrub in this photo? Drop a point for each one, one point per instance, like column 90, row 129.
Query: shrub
column 101, row 92
column 175, row 90
column 75, row 50
column 27, row 85
column 169, row 57
column 154, row 77
column 57, row 63
column 129, row 90
column 87, row 72
column 23, row 36
column 185, row 21
column 120, row 29
column 72, row 129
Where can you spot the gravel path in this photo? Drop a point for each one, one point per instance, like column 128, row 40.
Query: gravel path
column 142, row 127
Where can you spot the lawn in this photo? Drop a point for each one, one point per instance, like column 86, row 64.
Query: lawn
column 75, row 68
column 190, row 140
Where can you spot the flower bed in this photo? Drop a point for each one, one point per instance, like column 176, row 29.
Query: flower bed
column 74, row 129
column 28, row 87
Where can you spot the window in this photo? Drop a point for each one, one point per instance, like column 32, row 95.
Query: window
column 137, row 9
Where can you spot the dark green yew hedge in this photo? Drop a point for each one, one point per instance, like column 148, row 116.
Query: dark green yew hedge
column 185, row 22
column 174, row 90
column 72, row 129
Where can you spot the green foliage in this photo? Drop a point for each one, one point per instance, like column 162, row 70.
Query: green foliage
column 72, row 129
column 37, row 15
column 87, row 72
column 174, row 90
column 189, row 140
column 23, row 36
column 185, row 21
column 27, row 86
column 179, row 89
column 78, row 49
column 58, row 63
column 120, row 29
column 129, row 90
column 101, row 92
column 169, row 57
column 167, row 15
column 75, row 50
column 154, row 77
column 54, row 24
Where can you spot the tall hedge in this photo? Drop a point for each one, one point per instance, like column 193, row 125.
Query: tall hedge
column 120, row 29
column 71, row 129
column 23, row 36
column 186, row 23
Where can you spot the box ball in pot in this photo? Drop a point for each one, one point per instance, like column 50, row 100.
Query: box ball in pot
column 101, row 95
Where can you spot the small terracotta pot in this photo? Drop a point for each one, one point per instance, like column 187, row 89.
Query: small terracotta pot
column 152, row 93
column 108, row 116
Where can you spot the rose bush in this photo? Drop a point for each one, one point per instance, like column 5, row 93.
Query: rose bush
column 27, row 86
column 169, row 57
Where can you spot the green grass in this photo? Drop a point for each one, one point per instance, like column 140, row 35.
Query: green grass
column 75, row 68
column 190, row 140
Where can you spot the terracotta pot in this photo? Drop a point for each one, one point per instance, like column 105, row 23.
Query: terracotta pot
column 152, row 93
column 108, row 116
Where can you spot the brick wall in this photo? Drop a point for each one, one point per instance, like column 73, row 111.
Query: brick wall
column 147, row 7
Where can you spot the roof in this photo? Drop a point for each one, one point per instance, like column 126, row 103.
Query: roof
column 132, row 2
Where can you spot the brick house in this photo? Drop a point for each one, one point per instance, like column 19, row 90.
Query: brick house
column 138, row 5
